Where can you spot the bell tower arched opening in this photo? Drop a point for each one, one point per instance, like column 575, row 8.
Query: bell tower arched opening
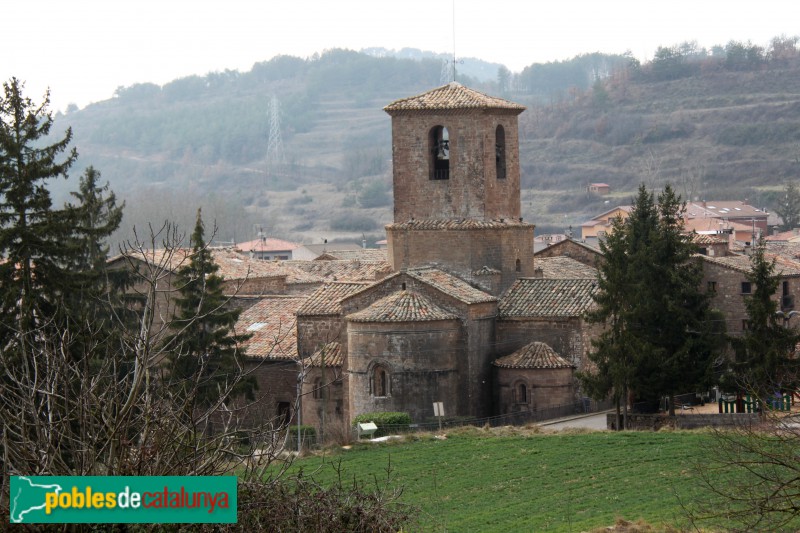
column 440, row 153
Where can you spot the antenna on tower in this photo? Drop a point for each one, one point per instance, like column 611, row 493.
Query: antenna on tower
column 275, row 156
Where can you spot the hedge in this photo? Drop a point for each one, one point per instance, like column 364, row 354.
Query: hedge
column 387, row 421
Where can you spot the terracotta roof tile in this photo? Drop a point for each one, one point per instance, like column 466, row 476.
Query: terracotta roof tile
column 534, row 355
column 741, row 263
column 562, row 267
column 343, row 270
column 401, row 306
column 363, row 254
column 451, row 285
column 326, row 300
column 535, row 297
column 451, row 96
column 272, row 324
column 332, row 352
column 702, row 238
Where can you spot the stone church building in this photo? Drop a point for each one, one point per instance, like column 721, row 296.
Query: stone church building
column 462, row 319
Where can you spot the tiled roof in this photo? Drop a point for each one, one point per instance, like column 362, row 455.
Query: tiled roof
column 234, row 265
column 343, row 270
column 741, row 263
column 268, row 244
column 564, row 243
column 700, row 239
column 534, row 355
column 273, row 327
column 456, row 225
column 332, row 352
column 401, row 306
column 723, row 208
column 451, row 96
column 363, row 254
column 562, row 267
column 535, row 297
column 451, row 285
column 326, row 300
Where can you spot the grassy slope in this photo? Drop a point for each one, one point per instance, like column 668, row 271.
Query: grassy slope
column 559, row 482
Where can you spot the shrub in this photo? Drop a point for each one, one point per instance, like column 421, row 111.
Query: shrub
column 387, row 421
column 308, row 434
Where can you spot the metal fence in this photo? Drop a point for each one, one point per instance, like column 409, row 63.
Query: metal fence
column 585, row 406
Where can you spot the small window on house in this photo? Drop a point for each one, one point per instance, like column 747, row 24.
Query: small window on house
column 379, row 381
column 712, row 286
column 500, row 152
column 745, row 325
column 440, row 153
column 746, row 287
column 785, row 288
column 317, row 392
column 522, row 393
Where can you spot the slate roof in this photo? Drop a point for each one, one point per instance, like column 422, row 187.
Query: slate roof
column 449, row 97
column 326, row 300
column 342, row 270
column 333, row 355
column 562, row 267
column 402, row 306
column 273, row 327
column 455, row 225
column 451, row 285
column 537, row 297
column 535, row 355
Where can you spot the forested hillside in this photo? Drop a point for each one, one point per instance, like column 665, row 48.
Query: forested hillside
column 302, row 146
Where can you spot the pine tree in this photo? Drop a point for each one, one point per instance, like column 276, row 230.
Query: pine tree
column 206, row 355
column 764, row 359
column 95, row 301
column 660, row 337
column 33, row 236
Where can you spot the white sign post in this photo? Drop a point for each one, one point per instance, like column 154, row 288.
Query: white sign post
column 438, row 411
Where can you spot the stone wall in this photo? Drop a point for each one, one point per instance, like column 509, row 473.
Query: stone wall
column 316, row 331
column 573, row 250
column 420, row 358
column 544, row 388
column 473, row 190
column 465, row 251
column 325, row 394
column 569, row 337
column 277, row 389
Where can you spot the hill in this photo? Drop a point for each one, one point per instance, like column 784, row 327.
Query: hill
column 302, row 146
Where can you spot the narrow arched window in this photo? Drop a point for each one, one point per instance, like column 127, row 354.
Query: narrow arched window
column 317, row 392
column 379, row 381
column 519, row 265
column 500, row 152
column 522, row 393
column 440, row 153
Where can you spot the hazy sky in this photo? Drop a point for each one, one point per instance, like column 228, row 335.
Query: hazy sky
column 84, row 49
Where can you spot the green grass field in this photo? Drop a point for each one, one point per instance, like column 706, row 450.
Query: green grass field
column 479, row 481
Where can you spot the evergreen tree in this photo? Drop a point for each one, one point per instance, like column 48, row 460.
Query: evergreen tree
column 206, row 356
column 612, row 359
column 96, row 298
column 764, row 359
column 660, row 337
column 33, row 236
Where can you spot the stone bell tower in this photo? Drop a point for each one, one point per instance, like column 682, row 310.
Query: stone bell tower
column 455, row 154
